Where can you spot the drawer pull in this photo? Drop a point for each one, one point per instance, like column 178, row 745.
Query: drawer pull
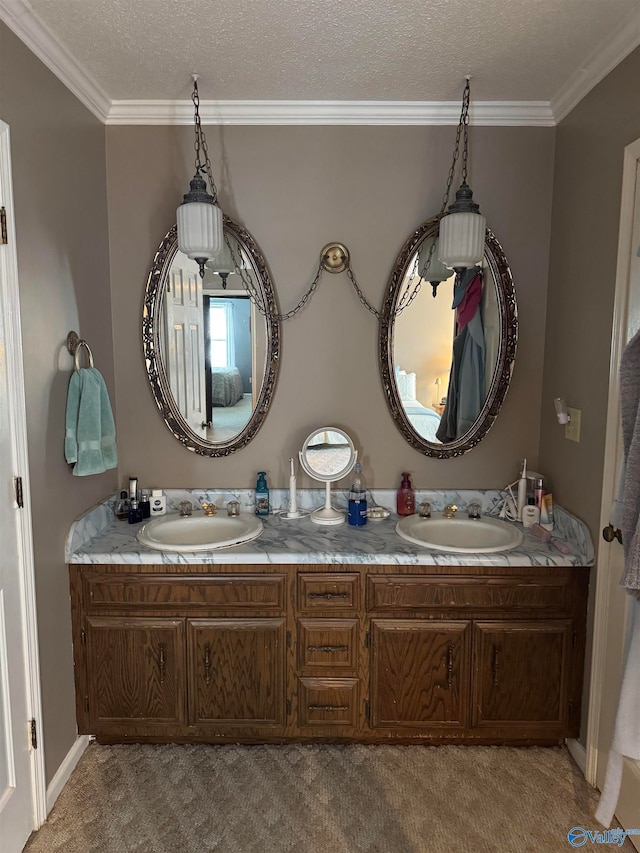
column 450, row 664
column 328, row 707
column 496, row 654
column 207, row 664
column 328, row 595
column 328, row 649
column 161, row 663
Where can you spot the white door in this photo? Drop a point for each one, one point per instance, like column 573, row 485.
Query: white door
column 185, row 344
column 612, row 602
column 22, row 796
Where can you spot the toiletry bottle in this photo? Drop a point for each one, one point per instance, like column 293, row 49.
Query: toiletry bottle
column 135, row 511
column 122, row 508
column 357, row 515
column 262, row 494
column 522, row 490
column 406, row 499
column 145, row 503
column 158, row 502
column 530, row 513
column 539, row 492
column 133, row 488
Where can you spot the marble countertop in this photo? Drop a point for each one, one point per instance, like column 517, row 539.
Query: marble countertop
column 98, row 537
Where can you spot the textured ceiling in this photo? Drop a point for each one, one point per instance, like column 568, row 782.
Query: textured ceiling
column 396, row 50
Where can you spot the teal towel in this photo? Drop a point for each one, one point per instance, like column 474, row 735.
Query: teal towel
column 90, row 434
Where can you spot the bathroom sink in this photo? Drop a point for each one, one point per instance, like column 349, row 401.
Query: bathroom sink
column 199, row 533
column 460, row 535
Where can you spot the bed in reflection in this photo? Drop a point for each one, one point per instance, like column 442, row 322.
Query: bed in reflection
column 226, row 386
column 425, row 421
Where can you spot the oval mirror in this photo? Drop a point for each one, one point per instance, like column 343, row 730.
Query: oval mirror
column 211, row 345
column 446, row 362
column 328, row 454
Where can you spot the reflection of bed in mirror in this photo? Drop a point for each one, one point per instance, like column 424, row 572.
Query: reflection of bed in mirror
column 226, row 386
column 425, row 421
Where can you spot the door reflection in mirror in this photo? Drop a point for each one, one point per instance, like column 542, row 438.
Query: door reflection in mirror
column 213, row 346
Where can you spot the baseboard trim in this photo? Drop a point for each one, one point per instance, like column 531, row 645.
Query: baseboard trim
column 65, row 770
column 578, row 753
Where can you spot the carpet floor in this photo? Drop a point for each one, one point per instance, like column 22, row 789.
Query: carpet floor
column 318, row 799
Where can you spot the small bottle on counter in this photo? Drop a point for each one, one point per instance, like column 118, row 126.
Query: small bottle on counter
column 145, row 503
column 530, row 513
column 158, row 502
column 135, row 512
column 122, row 508
column 262, row 494
column 406, row 499
column 539, row 492
column 357, row 514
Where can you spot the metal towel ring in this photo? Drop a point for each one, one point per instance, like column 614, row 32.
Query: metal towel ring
column 74, row 345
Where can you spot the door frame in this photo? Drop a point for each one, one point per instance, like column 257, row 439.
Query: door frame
column 611, row 460
column 18, row 416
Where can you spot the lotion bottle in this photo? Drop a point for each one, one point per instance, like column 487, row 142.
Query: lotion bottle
column 262, row 494
column 406, row 499
column 158, row 502
column 530, row 513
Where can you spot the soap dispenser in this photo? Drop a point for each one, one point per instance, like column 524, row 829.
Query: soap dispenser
column 262, row 494
column 406, row 499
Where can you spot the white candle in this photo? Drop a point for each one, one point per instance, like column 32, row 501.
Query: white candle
column 293, row 506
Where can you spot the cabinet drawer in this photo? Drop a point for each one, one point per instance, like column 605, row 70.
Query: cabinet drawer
column 329, row 644
column 328, row 702
column 173, row 592
column 324, row 591
column 440, row 592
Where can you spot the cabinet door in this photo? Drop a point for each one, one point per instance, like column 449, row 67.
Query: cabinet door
column 522, row 673
column 236, row 672
column 135, row 670
column 420, row 674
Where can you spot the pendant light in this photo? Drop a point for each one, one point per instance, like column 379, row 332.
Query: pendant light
column 222, row 264
column 462, row 227
column 199, row 218
column 432, row 269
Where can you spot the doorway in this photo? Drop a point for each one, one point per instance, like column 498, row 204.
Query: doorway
column 22, row 782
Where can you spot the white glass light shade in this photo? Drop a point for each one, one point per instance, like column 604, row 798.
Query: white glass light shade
column 436, row 271
column 461, row 241
column 199, row 229
column 222, row 261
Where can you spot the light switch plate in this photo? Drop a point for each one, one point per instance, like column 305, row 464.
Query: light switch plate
column 572, row 429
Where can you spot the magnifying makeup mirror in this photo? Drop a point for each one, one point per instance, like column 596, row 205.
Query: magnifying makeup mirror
column 328, row 454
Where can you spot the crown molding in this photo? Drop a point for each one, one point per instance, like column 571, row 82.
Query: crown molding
column 488, row 113
column 624, row 39
column 26, row 24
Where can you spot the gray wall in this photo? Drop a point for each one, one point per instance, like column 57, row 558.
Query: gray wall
column 59, row 183
column 584, row 243
column 295, row 189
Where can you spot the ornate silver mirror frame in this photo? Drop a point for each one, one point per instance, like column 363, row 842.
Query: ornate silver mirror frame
column 498, row 266
column 151, row 341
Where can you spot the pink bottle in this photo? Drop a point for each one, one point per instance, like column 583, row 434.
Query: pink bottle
column 406, row 499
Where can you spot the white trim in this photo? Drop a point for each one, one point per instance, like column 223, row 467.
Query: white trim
column 487, row 113
column 29, row 27
column 624, row 39
column 578, row 753
column 65, row 770
column 18, row 415
column 618, row 340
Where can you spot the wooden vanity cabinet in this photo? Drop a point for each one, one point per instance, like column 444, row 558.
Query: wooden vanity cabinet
column 365, row 653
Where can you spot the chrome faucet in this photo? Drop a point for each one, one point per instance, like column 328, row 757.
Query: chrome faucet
column 450, row 511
